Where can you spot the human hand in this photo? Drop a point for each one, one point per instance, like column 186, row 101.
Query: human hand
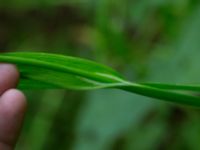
column 12, row 107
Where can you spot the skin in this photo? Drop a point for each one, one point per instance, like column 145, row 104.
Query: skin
column 12, row 107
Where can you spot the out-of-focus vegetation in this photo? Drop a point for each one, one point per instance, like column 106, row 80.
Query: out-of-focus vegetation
column 145, row 40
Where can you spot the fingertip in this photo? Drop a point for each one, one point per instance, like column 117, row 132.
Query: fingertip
column 9, row 76
column 11, row 68
column 14, row 99
column 12, row 111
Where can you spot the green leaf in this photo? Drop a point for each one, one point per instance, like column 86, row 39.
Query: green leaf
column 44, row 70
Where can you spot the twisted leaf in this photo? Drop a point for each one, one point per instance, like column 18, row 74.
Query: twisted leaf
column 45, row 71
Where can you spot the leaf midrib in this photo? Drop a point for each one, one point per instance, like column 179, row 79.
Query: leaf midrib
column 61, row 68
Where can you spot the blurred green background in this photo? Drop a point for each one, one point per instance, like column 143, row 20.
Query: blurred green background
column 145, row 40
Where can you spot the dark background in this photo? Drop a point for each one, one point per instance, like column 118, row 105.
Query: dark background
column 145, row 40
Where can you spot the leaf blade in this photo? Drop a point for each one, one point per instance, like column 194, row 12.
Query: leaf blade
column 44, row 70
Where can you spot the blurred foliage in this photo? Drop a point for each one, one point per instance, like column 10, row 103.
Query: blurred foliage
column 155, row 40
